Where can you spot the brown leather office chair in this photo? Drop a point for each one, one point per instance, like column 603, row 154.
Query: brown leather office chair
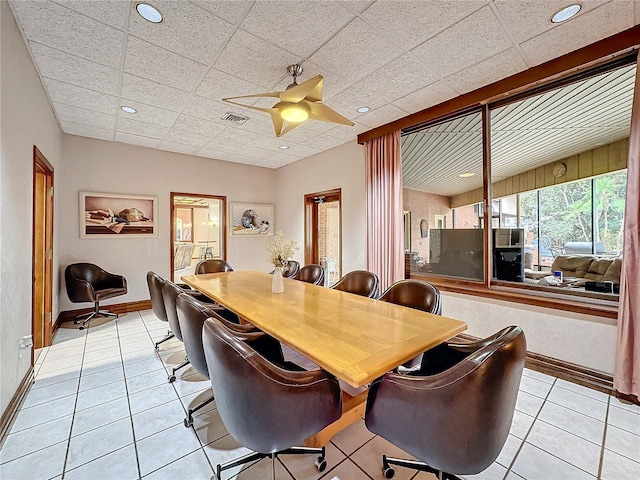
column 265, row 407
column 213, row 265
column 313, row 274
column 87, row 282
column 155, row 284
column 360, row 282
column 191, row 316
column 414, row 294
column 454, row 414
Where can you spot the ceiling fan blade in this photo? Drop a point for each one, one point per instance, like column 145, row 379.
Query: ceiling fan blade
column 309, row 90
column 261, row 109
column 319, row 111
column 290, row 126
column 255, row 95
column 277, row 121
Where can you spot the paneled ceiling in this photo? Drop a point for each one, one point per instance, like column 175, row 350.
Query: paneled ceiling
column 524, row 135
column 396, row 57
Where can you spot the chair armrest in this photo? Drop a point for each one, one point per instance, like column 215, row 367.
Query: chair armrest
column 110, row 280
column 81, row 291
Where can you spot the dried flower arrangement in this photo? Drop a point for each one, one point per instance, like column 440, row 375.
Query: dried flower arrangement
column 280, row 250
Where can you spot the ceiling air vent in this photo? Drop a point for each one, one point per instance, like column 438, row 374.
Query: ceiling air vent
column 235, row 118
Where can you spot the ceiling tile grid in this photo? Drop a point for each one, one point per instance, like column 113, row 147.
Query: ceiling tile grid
column 393, row 56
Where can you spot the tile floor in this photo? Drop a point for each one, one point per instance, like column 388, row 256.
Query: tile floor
column 101, row 408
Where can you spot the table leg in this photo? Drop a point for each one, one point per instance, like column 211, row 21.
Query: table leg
column 352, row 410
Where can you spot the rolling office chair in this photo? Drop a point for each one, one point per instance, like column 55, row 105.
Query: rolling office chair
column 213, row 265
column 313, row 274
column 414, row 294
column 265, row 407
column 155, row 283
column 87, row 282
column 360, row 282
column 454, row 414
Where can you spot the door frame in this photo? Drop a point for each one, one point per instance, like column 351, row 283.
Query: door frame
column 311, row 223
column 223, row 222
column 45, row 324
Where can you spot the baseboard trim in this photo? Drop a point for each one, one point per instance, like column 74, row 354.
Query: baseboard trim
column 587, row 377
column 16, row 401
column 119, row 308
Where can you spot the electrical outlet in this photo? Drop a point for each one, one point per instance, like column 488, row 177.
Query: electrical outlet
column 26, row 342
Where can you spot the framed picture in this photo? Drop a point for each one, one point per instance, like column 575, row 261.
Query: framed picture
column 109, row 214
column 251, row 219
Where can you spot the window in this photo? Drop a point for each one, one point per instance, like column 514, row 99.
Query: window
column 557, row 189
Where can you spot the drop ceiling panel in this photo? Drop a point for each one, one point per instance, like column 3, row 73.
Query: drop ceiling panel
column 149, row 114
column 229, row 10
column 133, row 127
column 244, row 57
column 527, row 19
column 178, row 147
column 206, row 32
column 367, row 51
column 75, row 70
column 154, row 63
column 385, row 114
column 69, row 113
column 111, row 12
column 51, row 24
column 430, row 95
column 418, row 20
column 137, row 140
column 153, row 93
column 86, row 131
column 477, row 37
column 581, row 31
column 199, row 126
column 301, row 32
column 68, row 94
column 218, row 84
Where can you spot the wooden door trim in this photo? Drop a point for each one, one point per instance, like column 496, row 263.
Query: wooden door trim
column 40, row 163
column 223, row 222
column 311, row 224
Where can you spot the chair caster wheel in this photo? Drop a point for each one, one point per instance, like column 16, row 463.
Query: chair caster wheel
column 389, row 472
column 157, row 348
column 81, row 328
column 188, row 422
column 321, row 464
column 172, row 378
column 75, row 322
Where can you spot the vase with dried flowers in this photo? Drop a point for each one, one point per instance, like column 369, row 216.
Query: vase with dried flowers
column 279, row 251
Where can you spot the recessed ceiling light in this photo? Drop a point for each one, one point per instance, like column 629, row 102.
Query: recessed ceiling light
column 283, row 147
column 466, row 175
column 363, row 109
column 149, row 13
column 124, row 108
column 566, row 13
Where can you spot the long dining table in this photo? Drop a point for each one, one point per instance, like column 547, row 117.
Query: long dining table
column 357, row 339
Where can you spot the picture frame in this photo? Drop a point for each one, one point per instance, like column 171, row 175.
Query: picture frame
column 250, row 219
column 104, row 215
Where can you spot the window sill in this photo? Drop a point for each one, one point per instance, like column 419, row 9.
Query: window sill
column 600, row 305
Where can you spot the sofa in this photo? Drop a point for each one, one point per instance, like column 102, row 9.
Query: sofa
column 580, row 269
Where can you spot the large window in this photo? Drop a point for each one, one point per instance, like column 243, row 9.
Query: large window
column 556, row 193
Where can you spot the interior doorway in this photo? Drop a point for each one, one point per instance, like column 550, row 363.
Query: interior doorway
column 198, row 226
column 42, row 251
column 323, row 232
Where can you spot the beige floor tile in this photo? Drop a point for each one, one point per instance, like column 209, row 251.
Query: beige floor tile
column 45, row 412
column 578, row 402
column 100, row 415
column 574, row 422
column 43, row 464
column 57, row 390
column 617, row 467
column 369, row 458
column 535, row 387
column 511, row 446
column 103, row 394
column 121, row 464
column 194, row 466
column 104, row 377
column 151, row 397
column 587, row 392
column 144, row 366
column 520, row 424
column 35, row 438
column 623, row 443
column 616, row 402
column 346, row 470
column 624, row 419
column 99, row 442
column 492, row 472
column 263, row 470
column 535, row 464
column 225, row 450
column 147, row 380
column 165, row 447
column 352, row 437
column 529, row 404
column 209, row 427
column 156, row 419
column 51, row 378
column 193, row 399
column 538, row 375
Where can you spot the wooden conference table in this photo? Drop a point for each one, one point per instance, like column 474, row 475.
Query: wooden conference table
column 357, row 339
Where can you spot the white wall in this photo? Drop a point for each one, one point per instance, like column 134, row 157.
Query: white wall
column 26, row 120
column 100, row 166
column 341, row 167
column 577, row 338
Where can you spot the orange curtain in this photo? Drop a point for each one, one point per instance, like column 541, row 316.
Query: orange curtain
column 385, row 255
column 626, row 378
